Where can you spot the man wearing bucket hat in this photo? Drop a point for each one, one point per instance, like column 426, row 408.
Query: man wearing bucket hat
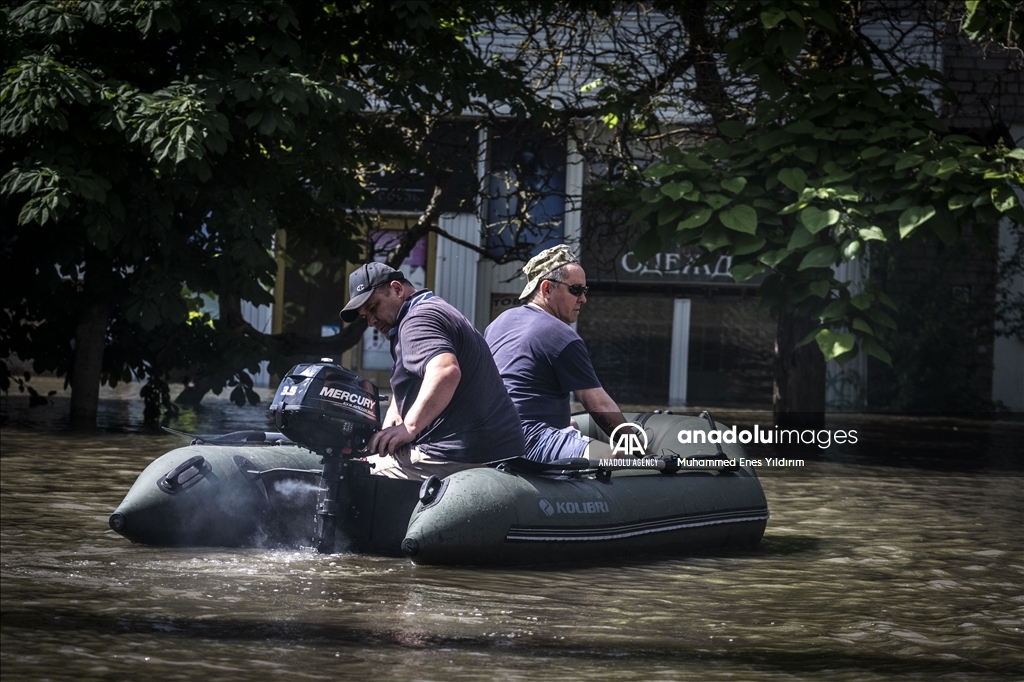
column 449, row 409
column 542, row 359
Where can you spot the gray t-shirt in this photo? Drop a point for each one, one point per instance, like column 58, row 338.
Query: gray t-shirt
column 480, row 424
column 541, row 360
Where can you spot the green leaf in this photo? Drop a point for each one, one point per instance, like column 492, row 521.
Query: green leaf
column 908, row 161
column 676, row 190
column 833, row 345
column 734, row 185
column 815, row 220
column 670, row 212
column 793, row 178
column 822, row 18
column 871, row 152
column 792, row 42
column 698, row 218
column 880, row 317
column 800, row 238
column 643, row 212
column 884, row 298
column 733, row 129
column 744, row 271
column 852, row 249
column 945, row 227
column 741, row 218
column 772, row 16
column 820, row 288
column 959, row 201
column 801, row 128
column 648, row 244
column 914, row 217
column 694, row 162
column 716, row 201
column 821, row 257
column 743, row 244
column 837, row 175
column 773, row 258
column 772, row 139
column 715, row 239
column 940, row 168
column 807, row 155
column 872, row 348
column 834, row 311
column 1003, row 199
column 873, row 232
column 861, row 301
column 660, row 169
column 862, row 326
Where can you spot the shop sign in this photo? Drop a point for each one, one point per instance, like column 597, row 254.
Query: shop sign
column 676, row 266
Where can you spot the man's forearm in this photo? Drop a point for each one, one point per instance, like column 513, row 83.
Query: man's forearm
column 392, row 417
column 601, row 407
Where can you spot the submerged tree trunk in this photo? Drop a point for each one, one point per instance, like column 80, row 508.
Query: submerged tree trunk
column 196, row 390
column 799, row 393
column 90, row 342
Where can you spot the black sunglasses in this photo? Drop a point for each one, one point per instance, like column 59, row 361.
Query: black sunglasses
column 574, row 289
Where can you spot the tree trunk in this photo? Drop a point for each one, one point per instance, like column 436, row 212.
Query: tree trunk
column 798, row 399
column 196, row 390
column 90, row 342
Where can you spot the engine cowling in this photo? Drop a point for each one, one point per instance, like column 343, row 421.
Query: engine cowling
column 326, row 408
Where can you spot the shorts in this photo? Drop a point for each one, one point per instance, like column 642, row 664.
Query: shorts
column 411, row 464
column 545, row 443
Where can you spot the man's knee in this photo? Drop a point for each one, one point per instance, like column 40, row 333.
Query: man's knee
column 414, row 465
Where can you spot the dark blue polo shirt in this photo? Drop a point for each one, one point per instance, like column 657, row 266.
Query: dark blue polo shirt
column 480, row 424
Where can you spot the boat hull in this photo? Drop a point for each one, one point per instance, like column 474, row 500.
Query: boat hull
column 542, row 520
column 267, row 496
column 259, row 496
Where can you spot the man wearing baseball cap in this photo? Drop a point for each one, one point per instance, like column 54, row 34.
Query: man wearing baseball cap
column 542, row 359
column 449, row 409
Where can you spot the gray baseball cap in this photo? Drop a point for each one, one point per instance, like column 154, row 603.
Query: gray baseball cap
column 361, row 284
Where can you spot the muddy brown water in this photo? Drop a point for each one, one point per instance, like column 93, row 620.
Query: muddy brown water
column 902, row 558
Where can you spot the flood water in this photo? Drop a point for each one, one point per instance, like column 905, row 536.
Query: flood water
column 900, row 559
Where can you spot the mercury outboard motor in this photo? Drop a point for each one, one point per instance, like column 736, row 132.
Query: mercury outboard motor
column 333, row 412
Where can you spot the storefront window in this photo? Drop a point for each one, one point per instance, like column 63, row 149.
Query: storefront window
column 525, row 193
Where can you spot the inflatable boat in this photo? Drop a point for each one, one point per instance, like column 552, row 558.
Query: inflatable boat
column 307, row 486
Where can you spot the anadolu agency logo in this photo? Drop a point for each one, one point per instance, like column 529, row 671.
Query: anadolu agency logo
column 629, row 438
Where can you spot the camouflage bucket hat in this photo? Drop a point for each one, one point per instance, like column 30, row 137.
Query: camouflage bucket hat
column 543, row 264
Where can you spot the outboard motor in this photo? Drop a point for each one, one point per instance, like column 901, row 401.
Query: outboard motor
column 333, row 412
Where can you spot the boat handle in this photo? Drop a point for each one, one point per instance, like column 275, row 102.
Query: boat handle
column 170, row 482
column 429, row 489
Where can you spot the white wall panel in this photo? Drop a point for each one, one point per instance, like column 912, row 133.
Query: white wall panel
column 455, row 270
column 680, row 355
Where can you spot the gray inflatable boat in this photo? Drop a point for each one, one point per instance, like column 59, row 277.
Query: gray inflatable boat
column 256, row 489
